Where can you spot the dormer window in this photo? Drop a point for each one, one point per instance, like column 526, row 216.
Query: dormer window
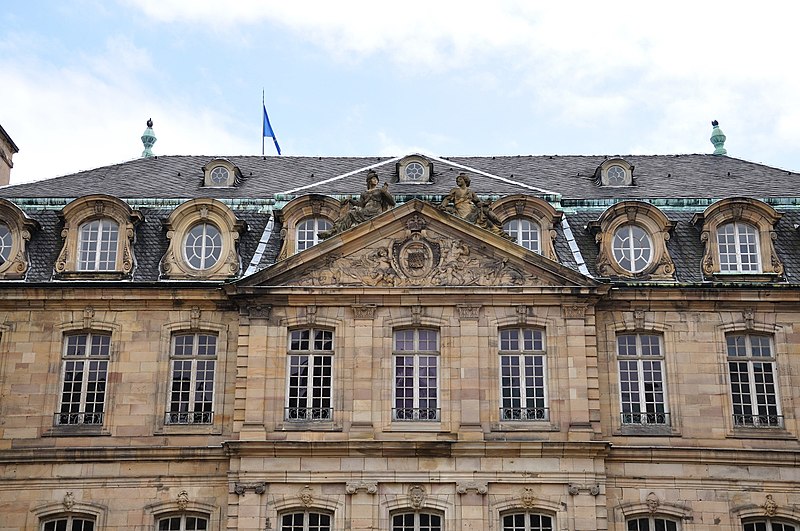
column 5, row 242
column 614, row 172
column 303, row 219
column 203, row 246
column 530, row 221
column 220, row 173
column 632, row 248
column 15, row 233
column 97, row 245
column 414, row 169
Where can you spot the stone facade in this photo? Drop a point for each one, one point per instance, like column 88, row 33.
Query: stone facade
column 413, row 292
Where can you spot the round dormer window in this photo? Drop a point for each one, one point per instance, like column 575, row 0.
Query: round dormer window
column 5, row 243
column 617, row 176
column 219, row 176
column 415, row 171
column 203, row 246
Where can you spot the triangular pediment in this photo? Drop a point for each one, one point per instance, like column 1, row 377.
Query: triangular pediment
column 417, row 245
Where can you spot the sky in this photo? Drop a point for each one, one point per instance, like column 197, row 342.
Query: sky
column 79, row 79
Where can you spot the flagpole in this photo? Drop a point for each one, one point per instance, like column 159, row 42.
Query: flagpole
column 262, row 119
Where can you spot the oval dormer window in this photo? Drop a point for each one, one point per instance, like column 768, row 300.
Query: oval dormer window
column 415, row 172
column 203, row 246
column 632, row 248
column 617, row 176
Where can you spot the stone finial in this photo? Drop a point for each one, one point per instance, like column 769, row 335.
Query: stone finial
column 148, row 139
column 718, row 139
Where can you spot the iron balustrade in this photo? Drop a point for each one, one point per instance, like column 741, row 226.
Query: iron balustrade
column 78, row 418
column 424, row 414
column 658, row 419
column 524, row 413
column 189, row 417
column 308, row 414
column 757, row 421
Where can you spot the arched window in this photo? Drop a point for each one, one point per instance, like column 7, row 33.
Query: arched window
column 97, row 245
column 416, row 375
column 184, row 522
column 310, row 375
column 738, row 248
column 527, row 522
column 769, row 524
column 308, row 232
column 523, row 375
column 193, row 362
column 417, row 521
column 525, row 232
column 69, row 523
column 306, row 521
column 652, row 523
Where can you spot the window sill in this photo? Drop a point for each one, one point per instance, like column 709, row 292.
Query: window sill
column 761, row 433
column 415, row 426
column 92, row 275
column 745, row 277
column 82, row 430
column 647, row 430
column 523, row 426
column 188, row 429
column 308, row 426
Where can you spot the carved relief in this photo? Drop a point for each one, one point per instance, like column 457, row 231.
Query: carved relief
column 306, row 496
column 416, row 261
column 416, row 496
column 574, row 311
column 652, row 502
column 479, row 488
column 259, row 311
column 527, row 498
column 468, row 312
column 20, row 228
column 355, row 486
column 363, row 311
column 69, row 501
column 257, row 488
column 770, row 506
column 183, row 500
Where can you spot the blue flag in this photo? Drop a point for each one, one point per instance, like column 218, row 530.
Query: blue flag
column 268, row 132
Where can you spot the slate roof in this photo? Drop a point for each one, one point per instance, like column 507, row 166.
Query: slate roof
column 157, row 185
column 655, row 176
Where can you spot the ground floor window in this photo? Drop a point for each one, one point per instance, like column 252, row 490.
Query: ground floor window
column 527, row 522
column 652, row 523
column 306, row 521
column 417, row 522
column 769, row 525
column 69, row 523
column 183, row 523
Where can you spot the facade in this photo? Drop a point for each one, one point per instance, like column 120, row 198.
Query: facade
column 486, row 343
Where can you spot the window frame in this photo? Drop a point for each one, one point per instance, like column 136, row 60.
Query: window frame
column 536, row 210
column 313, row 391
column 416, row 525
column 517, row 233
column 191, row 416
column 318, row 222
column 107, row 241
column 305, row 524
column 769, row 521
column 417, row 412
column 207, row 261
column 538, row 393
column 69, row 520
column 647, row 418
column 527, row 524
column 652, row 522
column 182, row 524
column 740, row 419
column 634, row 253
column 98, row 418
column 738, row 227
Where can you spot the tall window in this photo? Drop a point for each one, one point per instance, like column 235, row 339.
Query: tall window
column 191, row 398
column 527, row 522
column 183, row 523
column 641, row 379
column 97, row 245
column 306, row 521
column 203, row 246
column 525, row 232
column 738, row 248
column 309, row 375
column 652, row 523
column 84, row 370
column 416, row 375
column 69, row 523
column 308, row 232
column 754, row 393
column 769, row 524
column 522, row 375
column 417, row 522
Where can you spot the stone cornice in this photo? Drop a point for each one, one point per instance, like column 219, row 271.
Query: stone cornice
column 110, row 454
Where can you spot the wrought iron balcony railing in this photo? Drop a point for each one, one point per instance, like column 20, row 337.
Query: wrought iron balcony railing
column 189, row 417
column 524, row 413
column 757, row 421
column 658, row 419
column 308, row 414
column 424, row 414
column 78, row 419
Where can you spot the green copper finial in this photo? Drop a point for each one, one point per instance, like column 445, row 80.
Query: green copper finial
column 718, row 139
column 148, row 139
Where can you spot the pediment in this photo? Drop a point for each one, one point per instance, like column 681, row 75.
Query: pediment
column 416, row 245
